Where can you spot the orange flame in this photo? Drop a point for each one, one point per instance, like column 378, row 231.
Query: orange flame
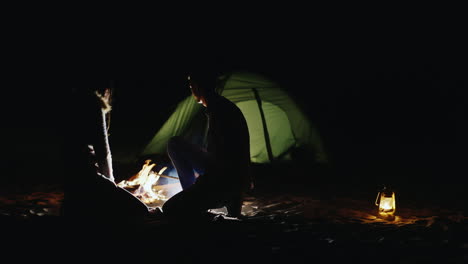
column 146, row 179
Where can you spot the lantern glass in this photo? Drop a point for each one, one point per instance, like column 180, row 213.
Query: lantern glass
column 386, row 203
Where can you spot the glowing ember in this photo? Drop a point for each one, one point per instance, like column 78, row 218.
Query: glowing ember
column 146, row 179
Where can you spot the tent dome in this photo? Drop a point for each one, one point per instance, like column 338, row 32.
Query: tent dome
column 276, row 124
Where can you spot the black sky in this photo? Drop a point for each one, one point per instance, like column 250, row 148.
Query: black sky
column 391, row 97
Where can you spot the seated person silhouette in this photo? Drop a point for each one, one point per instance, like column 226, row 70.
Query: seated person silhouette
column 225, row 163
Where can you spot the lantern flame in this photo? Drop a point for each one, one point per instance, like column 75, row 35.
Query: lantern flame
column 386, row 204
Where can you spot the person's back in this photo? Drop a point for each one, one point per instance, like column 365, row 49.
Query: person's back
column 228, row 141
column 225, row 162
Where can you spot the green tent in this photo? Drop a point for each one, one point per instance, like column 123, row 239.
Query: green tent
column 276, row 125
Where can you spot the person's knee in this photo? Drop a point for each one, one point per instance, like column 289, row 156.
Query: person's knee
column 172, row 206
column 173, row 210
column 167, row 207
column 174, row 143
column 184, row 204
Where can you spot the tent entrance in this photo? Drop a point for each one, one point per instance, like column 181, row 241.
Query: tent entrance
column 279, row 130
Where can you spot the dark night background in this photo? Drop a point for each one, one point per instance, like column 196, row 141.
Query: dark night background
column 385, row 86
column 387, row 101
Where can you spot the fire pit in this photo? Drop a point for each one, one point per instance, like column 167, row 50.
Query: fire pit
column 144, row 185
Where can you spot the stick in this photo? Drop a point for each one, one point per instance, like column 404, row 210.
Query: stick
column 167, row 176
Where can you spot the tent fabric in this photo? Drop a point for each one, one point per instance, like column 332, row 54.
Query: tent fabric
column 286, row 125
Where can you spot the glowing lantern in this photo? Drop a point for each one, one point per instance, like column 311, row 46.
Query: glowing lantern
column 386, row 203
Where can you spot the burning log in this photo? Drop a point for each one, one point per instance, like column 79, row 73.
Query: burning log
column 142, row 185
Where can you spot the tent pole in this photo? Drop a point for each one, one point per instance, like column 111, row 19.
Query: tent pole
column 265, row 129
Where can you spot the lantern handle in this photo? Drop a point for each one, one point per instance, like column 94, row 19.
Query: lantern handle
column 377, row 198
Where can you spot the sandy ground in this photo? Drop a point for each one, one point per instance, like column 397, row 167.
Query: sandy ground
column 275, row 227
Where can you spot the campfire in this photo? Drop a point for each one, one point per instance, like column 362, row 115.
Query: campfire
column 144, row 185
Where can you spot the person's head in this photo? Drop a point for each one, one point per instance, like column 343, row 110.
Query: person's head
column 202, row 84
